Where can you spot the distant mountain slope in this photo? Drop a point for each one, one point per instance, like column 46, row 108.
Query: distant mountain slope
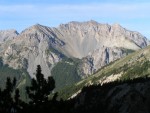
column 132, row 66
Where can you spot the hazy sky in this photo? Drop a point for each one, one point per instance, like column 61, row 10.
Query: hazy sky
column 20, row 14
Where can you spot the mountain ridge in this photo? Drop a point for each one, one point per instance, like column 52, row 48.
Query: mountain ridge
column 93, row 43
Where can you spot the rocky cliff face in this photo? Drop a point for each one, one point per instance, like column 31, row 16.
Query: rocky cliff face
column 94, row 43
column 100, row 57
column 82, row 38
column 32, row 47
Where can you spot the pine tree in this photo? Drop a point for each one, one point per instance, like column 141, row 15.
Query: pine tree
column 40, row 87
column 14, row 82
column 6, row 96
column 9, row 85
column 17, row 96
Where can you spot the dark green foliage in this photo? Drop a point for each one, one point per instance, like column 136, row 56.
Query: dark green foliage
column 9, row 85
column 7, row 101
column 14, row 81
column 6, row 71
column 40, row 87
column 65, row 73
column 17, row 96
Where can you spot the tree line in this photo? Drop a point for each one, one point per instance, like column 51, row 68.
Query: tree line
column 38, row 93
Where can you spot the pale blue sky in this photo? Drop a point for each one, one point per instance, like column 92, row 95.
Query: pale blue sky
column 20, row 14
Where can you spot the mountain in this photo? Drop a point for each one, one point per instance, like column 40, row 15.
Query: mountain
column 86, row 46
column 98, row 44
column 134, row 65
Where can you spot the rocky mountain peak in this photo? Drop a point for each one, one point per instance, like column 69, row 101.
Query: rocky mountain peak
column 92, row 22
column 39, row 32
column 7, row 35
column 32, row 29
column 117, row 25
column 75, row 24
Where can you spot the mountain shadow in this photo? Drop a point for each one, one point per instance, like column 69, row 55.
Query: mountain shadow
column 130, row 96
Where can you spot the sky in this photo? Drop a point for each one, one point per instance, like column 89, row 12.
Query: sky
column 20, row 14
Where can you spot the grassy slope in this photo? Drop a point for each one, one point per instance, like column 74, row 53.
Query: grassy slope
column 66, row 73
column 132, row 66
